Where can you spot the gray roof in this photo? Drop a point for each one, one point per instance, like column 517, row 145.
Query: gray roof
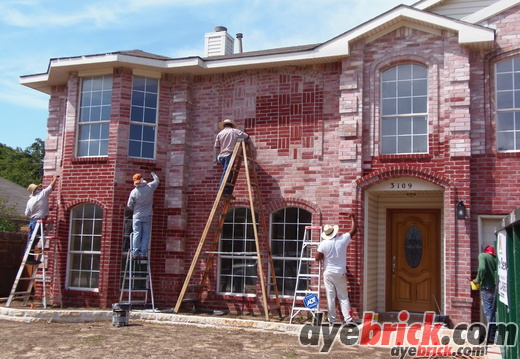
column 16, row 195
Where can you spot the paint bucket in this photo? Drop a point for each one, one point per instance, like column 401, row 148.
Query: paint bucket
column 474, row 286
column 317, row 318
column 120, row 314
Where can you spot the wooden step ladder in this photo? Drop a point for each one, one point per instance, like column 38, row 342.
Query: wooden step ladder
column 242, row 155
column 45, row 272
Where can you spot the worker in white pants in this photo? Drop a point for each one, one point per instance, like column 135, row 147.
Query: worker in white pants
column 333, row 251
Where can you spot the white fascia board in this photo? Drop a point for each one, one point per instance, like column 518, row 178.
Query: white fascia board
column 490, row 11
column 181, row 63
column 257, row 60
column 108, row 58
column 34, row 78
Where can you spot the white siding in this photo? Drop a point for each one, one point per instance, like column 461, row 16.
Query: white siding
column 458, row 9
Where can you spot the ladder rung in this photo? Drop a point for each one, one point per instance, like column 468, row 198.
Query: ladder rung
column 308, row 291
column 25, row 292
column 136, row 290
column 308, row 275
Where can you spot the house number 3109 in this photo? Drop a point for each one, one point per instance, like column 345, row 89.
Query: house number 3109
column 398, row 185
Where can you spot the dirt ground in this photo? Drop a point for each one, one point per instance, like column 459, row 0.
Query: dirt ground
column 142, row 339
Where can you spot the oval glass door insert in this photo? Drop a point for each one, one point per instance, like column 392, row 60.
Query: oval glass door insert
column 413, row 247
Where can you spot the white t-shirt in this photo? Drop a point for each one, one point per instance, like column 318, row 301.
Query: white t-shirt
column 335, row 253
column 38, row 204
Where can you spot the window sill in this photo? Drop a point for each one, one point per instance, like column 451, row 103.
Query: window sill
column 404, row 157
column 99, row 160
column 139, row 161
column 508, row 154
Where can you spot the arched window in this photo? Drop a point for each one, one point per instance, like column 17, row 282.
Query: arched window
column 508, row 104
column 237, row 254
column 86, row 223
column 287, row 231
column 404, row 106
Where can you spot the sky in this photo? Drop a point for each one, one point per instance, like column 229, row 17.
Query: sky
column 32, row 32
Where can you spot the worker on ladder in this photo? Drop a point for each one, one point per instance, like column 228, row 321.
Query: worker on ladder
column 333, row 251
column 224, row 144
column 37, row 208
column 141, row 202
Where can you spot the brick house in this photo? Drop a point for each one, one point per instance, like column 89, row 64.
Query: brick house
column 403, row 120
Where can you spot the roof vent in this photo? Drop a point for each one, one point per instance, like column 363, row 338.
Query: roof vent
column 218, row 42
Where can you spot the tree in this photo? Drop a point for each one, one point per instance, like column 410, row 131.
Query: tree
column 8, row 216
column 23, row 166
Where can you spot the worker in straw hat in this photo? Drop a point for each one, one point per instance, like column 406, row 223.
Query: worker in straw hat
column 141, row 202
column 333, row 251
column 224, row 144
column 37, row 208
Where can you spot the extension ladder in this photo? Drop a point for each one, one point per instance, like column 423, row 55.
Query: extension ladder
column 136, row 283
column 307, row 281
column 242, row 154
column 47, row 256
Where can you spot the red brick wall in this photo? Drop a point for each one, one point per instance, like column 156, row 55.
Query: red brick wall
column 315, row 131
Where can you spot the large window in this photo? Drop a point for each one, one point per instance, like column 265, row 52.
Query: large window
column 404, row 95
column 84, row 247
column 508, row 104
column 287, row 231
column 143, row 118
column 94, row 116
column 237, row 258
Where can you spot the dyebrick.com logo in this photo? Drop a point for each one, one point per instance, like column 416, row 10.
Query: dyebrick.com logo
column 426, row 338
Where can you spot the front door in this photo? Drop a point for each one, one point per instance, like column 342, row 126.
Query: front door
column 413, row 260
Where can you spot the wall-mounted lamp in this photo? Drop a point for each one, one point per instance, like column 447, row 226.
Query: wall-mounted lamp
column 461, row 210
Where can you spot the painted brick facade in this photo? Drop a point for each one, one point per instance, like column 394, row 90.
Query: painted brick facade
column 315, row 130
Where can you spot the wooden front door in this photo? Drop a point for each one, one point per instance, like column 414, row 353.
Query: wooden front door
column 413, row 260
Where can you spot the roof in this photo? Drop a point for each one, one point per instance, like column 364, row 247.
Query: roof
column 16, row 195
column 336, row 49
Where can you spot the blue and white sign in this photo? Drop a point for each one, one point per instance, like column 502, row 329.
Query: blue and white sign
column 311, row 301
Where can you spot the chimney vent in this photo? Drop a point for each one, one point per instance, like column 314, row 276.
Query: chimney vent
column 239, row 38
column 218, row 42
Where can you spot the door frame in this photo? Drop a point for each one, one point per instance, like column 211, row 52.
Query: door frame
column 388, row 254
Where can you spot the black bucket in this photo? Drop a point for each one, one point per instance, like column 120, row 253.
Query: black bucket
column 120, row 314
column 317, row 318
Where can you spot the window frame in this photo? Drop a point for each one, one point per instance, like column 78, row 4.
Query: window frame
column 282, row 280
column 92, row 273
column 513, row 111
column 249, row 260
column 103, row 120
column 414, row 121
column 144, row 126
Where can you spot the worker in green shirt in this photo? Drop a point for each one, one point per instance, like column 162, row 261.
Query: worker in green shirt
column 486, row 278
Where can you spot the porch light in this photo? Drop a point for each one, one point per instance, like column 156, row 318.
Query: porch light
column 461, row 210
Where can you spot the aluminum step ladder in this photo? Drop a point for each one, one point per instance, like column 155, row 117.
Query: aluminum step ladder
column 44, row 272
column 242, row 155
column 136, row 281
column 308, row 280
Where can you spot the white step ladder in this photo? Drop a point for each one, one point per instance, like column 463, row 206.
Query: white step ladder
column 136, row 283
column 47, row 257
column 306, row 277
